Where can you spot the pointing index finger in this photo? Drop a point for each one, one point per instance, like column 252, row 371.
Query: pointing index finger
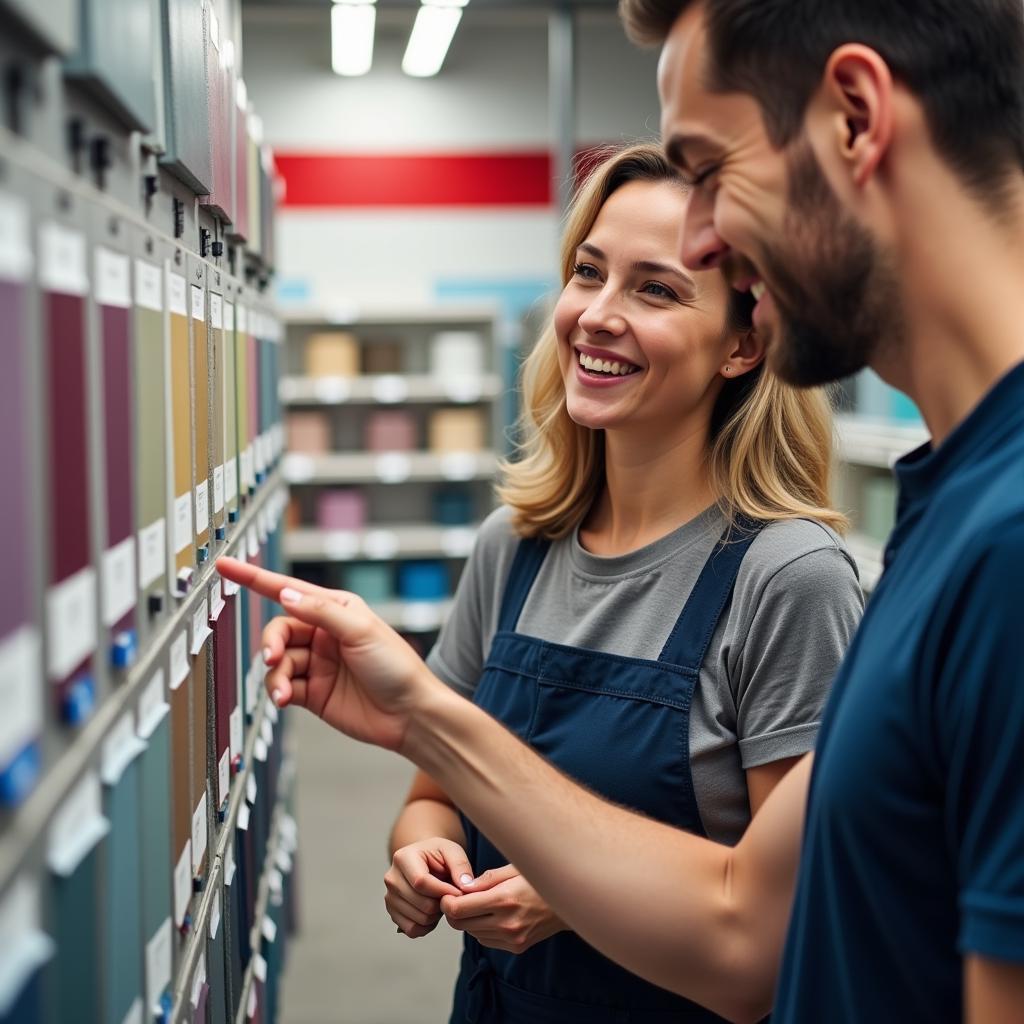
column 263, row 581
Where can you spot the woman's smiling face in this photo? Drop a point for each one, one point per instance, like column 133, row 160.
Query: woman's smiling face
column 641, row 340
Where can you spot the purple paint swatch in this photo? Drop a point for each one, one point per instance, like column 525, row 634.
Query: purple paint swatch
column 117, row 412
column 15, row 551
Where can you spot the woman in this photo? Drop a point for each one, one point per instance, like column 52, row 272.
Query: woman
column 658, row 607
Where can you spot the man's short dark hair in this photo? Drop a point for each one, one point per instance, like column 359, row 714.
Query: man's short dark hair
column 963, row 59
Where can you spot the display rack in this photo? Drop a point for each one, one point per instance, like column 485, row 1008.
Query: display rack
column 867, row 448
column 397, row 486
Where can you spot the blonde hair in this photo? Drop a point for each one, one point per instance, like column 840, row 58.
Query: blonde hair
column 770, row 451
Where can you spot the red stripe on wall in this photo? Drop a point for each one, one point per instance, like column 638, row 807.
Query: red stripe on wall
column 467, row 179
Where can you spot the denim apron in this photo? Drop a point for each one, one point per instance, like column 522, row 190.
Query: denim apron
column 621, row 726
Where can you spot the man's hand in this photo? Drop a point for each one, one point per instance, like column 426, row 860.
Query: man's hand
column 502, row 911
column 420, row 875
column 332, row 655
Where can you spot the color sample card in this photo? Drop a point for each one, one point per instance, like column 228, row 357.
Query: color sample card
column 183, row 559
column 201, row 414
column 151, row 447
column 155, row 791
column 247, row 480
column 120, row 920
column 118, row 582
column 21, row 689
column 200, row 716
column 75, row 851
column 225, row 670
column 181, row 773
column 230, row 412
column 218, row 358
column 71, row 600
column 26, row 949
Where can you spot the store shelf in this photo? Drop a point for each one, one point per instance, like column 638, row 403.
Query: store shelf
column 867, row 553
column 30, row 821
column 352, row 315
column 879, row 443
column 388, row 467
column 414, row 616
column 389, row 389
column 412, row 540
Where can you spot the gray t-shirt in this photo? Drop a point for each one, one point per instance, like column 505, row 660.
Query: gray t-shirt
column 770, row 663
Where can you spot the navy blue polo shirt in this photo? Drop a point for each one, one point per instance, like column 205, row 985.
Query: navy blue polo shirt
column 913, row 853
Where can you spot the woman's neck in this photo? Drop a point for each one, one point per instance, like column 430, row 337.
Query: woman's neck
column 651, row 489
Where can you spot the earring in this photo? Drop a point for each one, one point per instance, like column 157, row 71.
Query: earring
column 727, row 368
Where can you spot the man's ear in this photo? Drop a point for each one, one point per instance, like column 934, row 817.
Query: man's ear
column 856, row 98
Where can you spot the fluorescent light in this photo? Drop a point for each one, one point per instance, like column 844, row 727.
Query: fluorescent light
column 352, row 37
column 445, row 3
column 431, row 36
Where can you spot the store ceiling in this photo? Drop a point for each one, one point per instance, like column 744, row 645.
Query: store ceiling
column 510, row 5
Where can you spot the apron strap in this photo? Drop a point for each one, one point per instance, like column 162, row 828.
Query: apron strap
column 529, row 557
column 688, row 642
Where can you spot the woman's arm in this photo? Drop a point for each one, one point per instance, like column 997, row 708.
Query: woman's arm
column 428, row 812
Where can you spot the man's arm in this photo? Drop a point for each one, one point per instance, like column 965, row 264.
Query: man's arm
column 993, row 991
column 704, row 920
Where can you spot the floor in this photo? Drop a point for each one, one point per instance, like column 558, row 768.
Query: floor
column 348, row 965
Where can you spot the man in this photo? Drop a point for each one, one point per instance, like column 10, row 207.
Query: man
column 858, row 166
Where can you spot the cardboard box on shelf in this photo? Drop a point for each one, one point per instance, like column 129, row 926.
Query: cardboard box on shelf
column 457, row 430
column 332, row 354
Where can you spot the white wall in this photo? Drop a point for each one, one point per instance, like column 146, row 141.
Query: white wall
column 490, row 96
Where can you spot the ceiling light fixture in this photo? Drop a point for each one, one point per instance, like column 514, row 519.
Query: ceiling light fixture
column 436, row 22
column 352, row 24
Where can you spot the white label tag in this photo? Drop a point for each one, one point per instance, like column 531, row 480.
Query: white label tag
column 259, row 455
column 247, row 475
column 120, row 748
column 259, row 750
column 458, row 466
column 393, row 467
column 20, row 692
column 152, row 706
column 198, row 305
column 215, row 916
column 202, row 508
column 223, row 778
column 229, row 864
column 230, row 480
column 15, row 247
column 216, row 601
column 271, row 711
column 332, row 390
column 380, row 544
column 250, row 788
column 118, row 581
column 390, row 388
column 259, row 967
column 216, row 311
column 62, row 260
column 218, row 488
column 198, row 981
column 179, row 660
column 200, row 629
column 235, row 728
column 229, row 317
column 77, row 827
column 198, row 834
column 113, row 283
column 177, row 292
column 231, row 588
column 183, row 883
column 267, row 732
column 243, row 817
column 148, row 293
column 152, row 539
column 158, row 965
column 71, row 622
column 243, row 320
column 269, row 929
column 134, row 1014
column 252, row 541
column 283, row 859
column 253, row 1004
column 182, row 522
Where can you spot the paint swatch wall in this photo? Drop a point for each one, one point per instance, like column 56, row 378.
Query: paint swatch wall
column 147, row 840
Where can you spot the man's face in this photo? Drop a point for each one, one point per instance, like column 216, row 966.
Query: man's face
column 770, row 219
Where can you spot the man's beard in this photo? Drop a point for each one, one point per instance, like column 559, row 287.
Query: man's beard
column 845, row 303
